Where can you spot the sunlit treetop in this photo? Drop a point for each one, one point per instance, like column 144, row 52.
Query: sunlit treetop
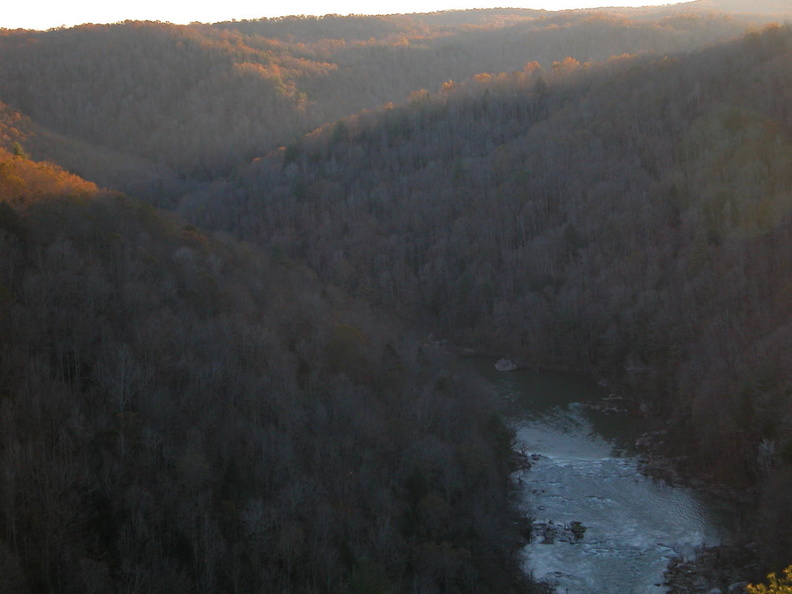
column 775, row 584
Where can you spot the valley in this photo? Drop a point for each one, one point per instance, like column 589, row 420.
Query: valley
column 229, row 253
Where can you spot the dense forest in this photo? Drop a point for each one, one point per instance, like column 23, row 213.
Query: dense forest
column 235, row 393
column 630, row 218
column 178, row 105
column 181, row 413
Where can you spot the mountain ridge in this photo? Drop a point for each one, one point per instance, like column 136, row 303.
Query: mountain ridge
column 194, row 101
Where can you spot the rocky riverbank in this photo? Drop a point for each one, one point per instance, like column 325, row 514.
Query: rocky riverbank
column 725, row 569
column 654, row 463
column 716, row 570
column 722, row 569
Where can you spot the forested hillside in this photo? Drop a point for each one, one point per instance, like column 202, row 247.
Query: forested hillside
column 177, row 105
column 630, row 218
column 181, row 413
column 607, row 191
column 780, row 9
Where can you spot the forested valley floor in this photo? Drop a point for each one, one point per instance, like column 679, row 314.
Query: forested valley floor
column 213, row 368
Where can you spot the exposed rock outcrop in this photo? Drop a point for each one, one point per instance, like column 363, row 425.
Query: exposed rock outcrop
column 506, row 365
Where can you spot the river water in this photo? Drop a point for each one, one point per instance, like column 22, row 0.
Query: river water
column 583, row 469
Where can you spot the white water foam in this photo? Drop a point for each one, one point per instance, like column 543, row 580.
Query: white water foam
column 634, row 525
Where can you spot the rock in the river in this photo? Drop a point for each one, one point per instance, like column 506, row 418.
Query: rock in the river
column 505, row 365
column 577, row 529
column 550, row 533
column 520, row 460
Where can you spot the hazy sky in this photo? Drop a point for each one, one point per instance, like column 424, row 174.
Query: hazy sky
column 44, row 14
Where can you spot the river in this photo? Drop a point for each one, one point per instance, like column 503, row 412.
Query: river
column 584, row 469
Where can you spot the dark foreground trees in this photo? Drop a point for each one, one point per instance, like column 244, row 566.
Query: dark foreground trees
column 180, row 413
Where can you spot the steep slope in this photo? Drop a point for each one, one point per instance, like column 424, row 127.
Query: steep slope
column 180, row 413
column 631, row 218
column 112, row 168
column 192, row 101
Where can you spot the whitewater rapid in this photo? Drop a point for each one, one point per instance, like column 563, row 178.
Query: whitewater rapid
column 634, row 525
column 584, row 469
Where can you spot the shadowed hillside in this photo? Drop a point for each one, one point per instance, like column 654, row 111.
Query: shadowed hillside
column 607, row 191
column 180, row 413
column 630, row 218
